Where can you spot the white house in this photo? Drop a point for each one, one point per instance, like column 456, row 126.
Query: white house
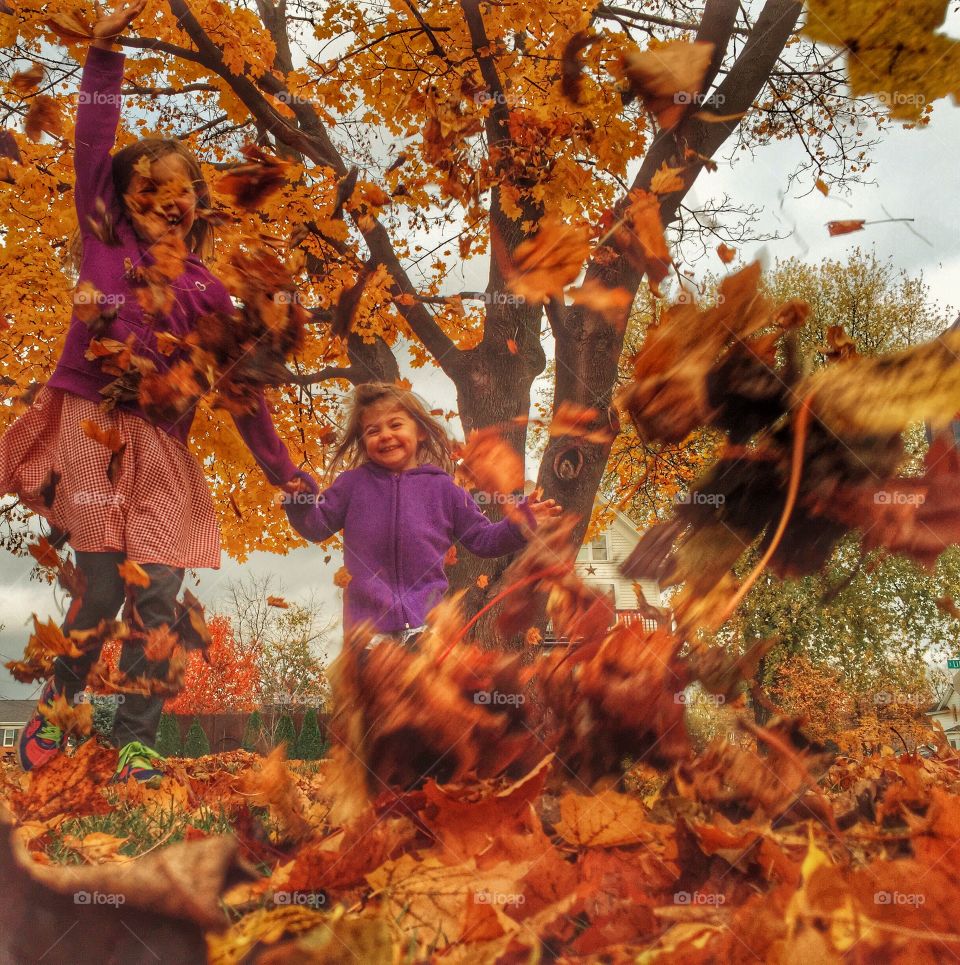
column 947, row 714
column 598, row 565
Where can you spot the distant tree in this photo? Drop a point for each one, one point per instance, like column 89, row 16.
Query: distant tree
column 253, row 733
column 168, row 736
column 286, row 734
column 310, row 746
column 196, row 744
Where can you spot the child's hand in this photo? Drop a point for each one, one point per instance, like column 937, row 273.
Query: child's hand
column 111, row 25
column 543, row 509
column 296, row 485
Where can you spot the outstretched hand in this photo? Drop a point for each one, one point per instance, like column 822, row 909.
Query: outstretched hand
column 543, row 509
column 296, row 485
column 111, row 25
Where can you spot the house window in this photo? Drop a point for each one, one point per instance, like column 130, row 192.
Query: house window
column 598, row 550
column 9, row 736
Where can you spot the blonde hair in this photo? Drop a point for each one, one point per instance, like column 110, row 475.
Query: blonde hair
column 435, row 447
column 123, row 167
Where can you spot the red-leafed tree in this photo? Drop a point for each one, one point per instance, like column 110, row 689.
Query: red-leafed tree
column 226, row 682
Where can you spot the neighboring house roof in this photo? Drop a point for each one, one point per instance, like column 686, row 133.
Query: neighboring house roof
column 16, row 712
column 950, row 702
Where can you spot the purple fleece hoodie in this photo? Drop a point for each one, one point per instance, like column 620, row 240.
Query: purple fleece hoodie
column 197, row 291
column 397, row 528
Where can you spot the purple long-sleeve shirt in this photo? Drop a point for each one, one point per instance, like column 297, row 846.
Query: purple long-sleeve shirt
column 197, row 291
column 397, row 528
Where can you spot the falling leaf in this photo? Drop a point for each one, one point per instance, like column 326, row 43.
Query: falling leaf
column 545, row 264
column 571, row 82
column 512, row 346
column 612, row 303
column 160, row 644
column 668, row 77
column 249, row 185
column 27, row 81
column 133, row 574
column 666, row 180
column 483, row 581
column 278, row 601
column 110, row 438
column 844, row 227
column 492, row 463
column 342, row 578
column 641, row 238
column 725, row 253
column 822, row 186
column 74, row 718
column 45, row 115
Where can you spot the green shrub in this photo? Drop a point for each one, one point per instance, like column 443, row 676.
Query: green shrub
column 196, row 744
column 168, row 736
column 310, row 746
column 286, row 734
column 253, row 734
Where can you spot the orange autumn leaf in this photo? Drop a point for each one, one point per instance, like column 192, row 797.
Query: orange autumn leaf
column 249, row 185
column 492, row 463
column 668, row 77
column 545, row 264
column 76, row 718
column 666, row 180
column 44, row 553
column 133, row 574
column 483, row 581
column 342, row 578
column 278, row 601
column 844, row 227
column 640, row 238
column 109, row 438
column 512, row 346
column 160, row 643
column 45, row 115
column 612, row 303
column 27, row 81
column 70, row 26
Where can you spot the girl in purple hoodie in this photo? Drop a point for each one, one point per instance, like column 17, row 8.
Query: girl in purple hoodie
column 400, row 512
column 142, row 497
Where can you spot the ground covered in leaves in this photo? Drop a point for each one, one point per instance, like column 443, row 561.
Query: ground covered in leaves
column 736, row 855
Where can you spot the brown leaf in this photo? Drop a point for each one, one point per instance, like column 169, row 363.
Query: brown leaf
column 25, row 82
column 571, row 82
column 70, row 26
column 493, row 464
column 640, row 238
column 249, row 185
column 725, row 253
column 669, row 77
column 45, row 115
column 278, row 601
column 545, row 264
column 844, row 227
column 109, row 438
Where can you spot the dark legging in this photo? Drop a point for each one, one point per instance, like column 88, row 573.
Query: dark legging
column 137, row 715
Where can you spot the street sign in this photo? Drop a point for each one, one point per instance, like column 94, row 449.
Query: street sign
column 953, row 663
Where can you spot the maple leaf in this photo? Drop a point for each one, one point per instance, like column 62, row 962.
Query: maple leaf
column 249, row 185
column 545, row 264
column 70, row 26
column 639, row 236
column 893, row 51
column 666, row 180
column 491, row 463
column 133, row 574
column 45, row 115
column 25, row 82
column 668, row 77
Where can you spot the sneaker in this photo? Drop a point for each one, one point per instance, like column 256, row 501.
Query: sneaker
column 40, row 740
column 136, row 761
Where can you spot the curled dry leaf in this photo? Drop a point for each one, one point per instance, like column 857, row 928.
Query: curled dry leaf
column 133, row 574
column 25, row 82
column 638, row 234
column 45, row 115
column 668, row 77
column 249, row 185
column 844, row 227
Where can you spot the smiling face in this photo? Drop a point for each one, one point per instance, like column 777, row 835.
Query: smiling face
column 391, row 436
column 164, row 202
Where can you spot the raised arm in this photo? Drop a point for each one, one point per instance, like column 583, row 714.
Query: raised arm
column 98, row 113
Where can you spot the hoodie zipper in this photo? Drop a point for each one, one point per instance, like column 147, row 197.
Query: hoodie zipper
column 396, row 550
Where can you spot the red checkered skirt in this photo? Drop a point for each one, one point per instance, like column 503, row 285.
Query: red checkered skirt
column 153, row 504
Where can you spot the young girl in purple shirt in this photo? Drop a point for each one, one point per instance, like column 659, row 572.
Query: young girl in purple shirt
column 400, row 511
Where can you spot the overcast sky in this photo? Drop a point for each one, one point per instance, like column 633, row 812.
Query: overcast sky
column 914, row 174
